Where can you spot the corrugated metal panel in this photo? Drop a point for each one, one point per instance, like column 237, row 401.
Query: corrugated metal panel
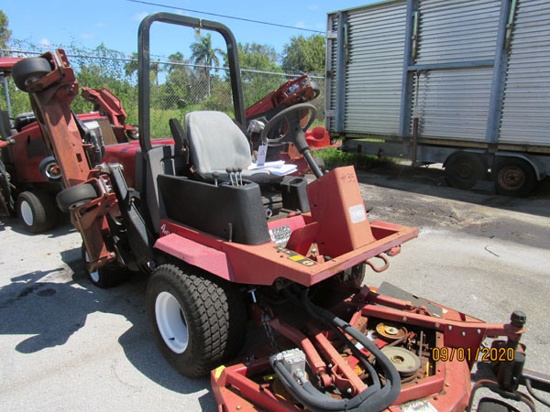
column 375, row 68
column 526, row 107
column 453, row 103
column 457, row 30
column 331, row 63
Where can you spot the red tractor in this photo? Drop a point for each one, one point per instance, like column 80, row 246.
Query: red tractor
column 29, row 176
column 224, row 243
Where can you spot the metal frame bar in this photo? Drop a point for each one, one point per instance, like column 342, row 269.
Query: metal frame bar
column 341, row 63
column 407, row 84
column 499, row 76
column 144, row 62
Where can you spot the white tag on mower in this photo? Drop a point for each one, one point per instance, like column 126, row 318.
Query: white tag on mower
column 357, row 214
column 262, row 153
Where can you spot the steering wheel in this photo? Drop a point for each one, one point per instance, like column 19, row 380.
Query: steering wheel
column 294, row 132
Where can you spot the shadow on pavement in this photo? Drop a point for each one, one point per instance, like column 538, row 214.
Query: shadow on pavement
column 38, row 304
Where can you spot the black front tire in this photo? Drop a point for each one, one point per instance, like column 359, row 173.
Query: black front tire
column 198, row 320
column 36, row 211
column 26, row 72
column 75, row 196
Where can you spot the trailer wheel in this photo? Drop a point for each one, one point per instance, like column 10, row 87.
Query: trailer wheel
column 36, row 210
column 108, row 276
column 75, row 196
column 463, row 170
column 514, row 177
column 28, row 71
column 198, row 321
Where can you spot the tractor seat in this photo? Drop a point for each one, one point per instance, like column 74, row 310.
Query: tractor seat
column 217, row 144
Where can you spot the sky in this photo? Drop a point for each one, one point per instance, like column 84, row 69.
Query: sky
column 114, row 23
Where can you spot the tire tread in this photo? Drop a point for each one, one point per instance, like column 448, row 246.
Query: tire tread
column 215, row 314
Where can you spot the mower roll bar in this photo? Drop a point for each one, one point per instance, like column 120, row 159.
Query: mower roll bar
column 144, row 60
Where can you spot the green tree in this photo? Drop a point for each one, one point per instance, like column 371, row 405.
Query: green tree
column 5, row 33
column 177, row 62
column 258, row 57
column 131, row 66
column 106, row 69
column 205, row 55
column 177, row 90
column 305, row 55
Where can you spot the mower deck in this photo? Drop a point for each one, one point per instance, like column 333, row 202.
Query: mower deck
column 433, row 353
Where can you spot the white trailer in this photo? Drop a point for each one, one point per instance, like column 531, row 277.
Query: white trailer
column 465, row 83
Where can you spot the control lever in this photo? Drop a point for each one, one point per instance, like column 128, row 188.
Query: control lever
column 230, row 173
column 240, row 176
column 235, row 176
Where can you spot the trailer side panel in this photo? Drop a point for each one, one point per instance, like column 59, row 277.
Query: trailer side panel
column 526, row 106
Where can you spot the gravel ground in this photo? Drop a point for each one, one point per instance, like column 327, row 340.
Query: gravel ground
column 69, row 346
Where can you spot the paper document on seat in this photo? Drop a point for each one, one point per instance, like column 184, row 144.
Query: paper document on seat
column 283, row 170
column 267, row 165
column 278, row 167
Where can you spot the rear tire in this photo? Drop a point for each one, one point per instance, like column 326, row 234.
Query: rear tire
column 198, row 320
column 514, row 177
column 107, row 276
column 464, row 169
column 37, row 212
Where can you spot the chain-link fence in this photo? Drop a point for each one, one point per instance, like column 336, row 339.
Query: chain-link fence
column 176, row 87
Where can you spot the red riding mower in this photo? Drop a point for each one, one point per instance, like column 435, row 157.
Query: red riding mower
column 29, row 176
column 224, row 242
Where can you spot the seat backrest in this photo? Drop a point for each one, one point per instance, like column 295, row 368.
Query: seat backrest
column 216, row 142
column 181, row 143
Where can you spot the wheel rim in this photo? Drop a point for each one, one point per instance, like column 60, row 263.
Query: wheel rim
column 171, row 322
column 95, row 274
column 465, row 170
column 511, row 178
column 53, row 172
column 26, row 213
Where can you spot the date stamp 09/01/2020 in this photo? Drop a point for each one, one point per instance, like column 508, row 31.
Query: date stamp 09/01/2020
column 494, row 354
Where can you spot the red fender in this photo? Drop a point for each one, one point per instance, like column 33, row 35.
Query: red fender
column 196, row 254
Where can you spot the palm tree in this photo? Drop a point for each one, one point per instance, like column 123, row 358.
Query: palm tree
column 178, row 62
column 131, row 67
column 204, row 54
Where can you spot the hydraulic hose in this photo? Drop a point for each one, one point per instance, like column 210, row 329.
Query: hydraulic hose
column 374, row 398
